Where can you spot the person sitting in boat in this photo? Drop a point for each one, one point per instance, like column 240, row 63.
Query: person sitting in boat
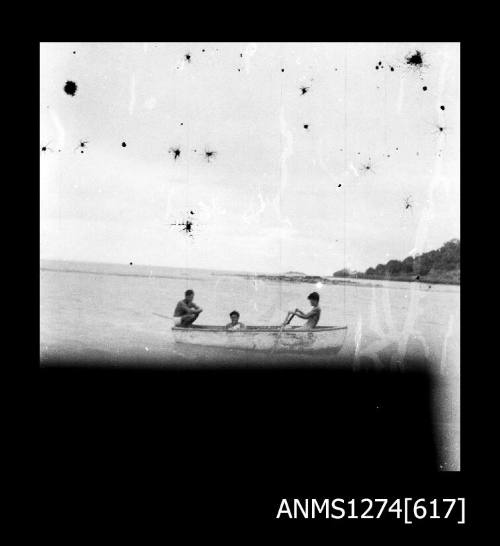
column 235, row 323
column 186, row 311
column 312, row 317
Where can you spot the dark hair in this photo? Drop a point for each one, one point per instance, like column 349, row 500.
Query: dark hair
column 313, row 296
column 189, row 293
column 234, row 313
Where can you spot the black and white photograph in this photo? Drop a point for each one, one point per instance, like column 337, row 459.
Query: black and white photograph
column 243, row 206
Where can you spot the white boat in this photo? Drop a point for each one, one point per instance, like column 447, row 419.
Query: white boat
column 264, row 338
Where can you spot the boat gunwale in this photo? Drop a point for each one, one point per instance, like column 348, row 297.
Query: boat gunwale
column 257, row 329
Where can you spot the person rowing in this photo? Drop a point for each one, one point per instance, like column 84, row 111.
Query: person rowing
column 186, row 311
column 312, row 317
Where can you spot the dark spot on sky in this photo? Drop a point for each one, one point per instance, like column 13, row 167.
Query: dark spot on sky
column 392, row 69
column 82, row 144
column 241, row 54
column 304, row 90
column 187, row 56
column 187, row 226
column 442, row 107
column 282, row 70
column 441, row 129
column 339, row 185
column 209, row 155
column 380, row 62
column 175, row 151
column 238, row 70
column 376, row 67
column 414, row 59
column 130, row 263
column 191, row 212
column 417, row 277
column 124, row 144
column 74, row 52
column 70, row 88
column 82, row 152
column 203, row 51
column 306, row 126
column 424, row 87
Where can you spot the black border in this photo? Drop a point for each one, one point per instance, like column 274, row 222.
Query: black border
column 256, row 510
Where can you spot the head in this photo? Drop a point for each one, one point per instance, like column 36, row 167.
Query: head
column 313, row 298
column 189, row 295
column 234, row 316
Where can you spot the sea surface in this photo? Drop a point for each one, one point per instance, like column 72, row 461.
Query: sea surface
column 108, row 314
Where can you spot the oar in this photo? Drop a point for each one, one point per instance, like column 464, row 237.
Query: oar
column 281, row 331
column 163, row 316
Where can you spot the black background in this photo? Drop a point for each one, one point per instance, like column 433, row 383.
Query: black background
column 140, row 453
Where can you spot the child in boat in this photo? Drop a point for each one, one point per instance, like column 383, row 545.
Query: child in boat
column 312, row 317
column 234, row 324
column 186, row 311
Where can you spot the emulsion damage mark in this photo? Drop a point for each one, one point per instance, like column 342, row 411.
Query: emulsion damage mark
column 176, row 152
column 415, row 60
column 209, row 155
column 304, row 90
column 187, row 225
column 82, row 144
column 70, row 88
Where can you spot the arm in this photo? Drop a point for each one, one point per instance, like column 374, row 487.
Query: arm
column 195, row 309
column 302, row 315
column 187, row 310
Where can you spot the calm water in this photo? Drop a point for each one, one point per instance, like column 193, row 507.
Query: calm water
column 101, row 312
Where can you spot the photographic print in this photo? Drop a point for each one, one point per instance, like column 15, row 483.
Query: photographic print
column 254, row 205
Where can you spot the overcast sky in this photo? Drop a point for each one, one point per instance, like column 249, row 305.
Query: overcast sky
column 269, row 198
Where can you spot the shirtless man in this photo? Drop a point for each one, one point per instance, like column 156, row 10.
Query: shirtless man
column 312, row 317
column 186, row 311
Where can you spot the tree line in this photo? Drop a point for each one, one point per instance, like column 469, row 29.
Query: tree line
column 441, row 265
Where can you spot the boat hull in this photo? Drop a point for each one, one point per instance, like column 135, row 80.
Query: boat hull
column 270, row 338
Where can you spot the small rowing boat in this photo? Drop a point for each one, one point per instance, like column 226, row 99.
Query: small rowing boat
column 264, row 338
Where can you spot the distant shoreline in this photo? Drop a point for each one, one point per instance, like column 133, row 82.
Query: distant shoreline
column 274, row 277
column 407, row 278
column 312, row 279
